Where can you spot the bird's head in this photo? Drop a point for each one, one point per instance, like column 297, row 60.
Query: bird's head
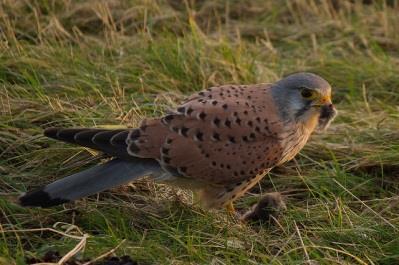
column 305, row 98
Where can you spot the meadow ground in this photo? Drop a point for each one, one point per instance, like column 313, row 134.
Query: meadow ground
column 112, row 63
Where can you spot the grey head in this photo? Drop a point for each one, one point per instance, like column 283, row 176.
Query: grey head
column 305, row 97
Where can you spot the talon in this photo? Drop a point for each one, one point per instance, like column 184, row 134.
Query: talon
column 230, row 208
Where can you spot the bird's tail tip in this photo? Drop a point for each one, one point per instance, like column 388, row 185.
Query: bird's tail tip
column 39, row 198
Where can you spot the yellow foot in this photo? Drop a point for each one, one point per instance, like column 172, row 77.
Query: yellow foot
column 230, row 208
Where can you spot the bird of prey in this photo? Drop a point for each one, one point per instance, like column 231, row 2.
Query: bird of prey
column 220, row 142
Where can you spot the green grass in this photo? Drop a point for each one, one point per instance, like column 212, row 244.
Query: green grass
column 112, row 63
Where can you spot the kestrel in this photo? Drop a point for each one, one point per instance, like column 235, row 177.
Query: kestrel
column 220, row 142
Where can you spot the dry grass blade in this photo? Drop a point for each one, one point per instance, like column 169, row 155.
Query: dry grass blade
column 75, row 250
column 308, row 261
column 106, row 254
column 70, row 254
column 41, row 230
column 368, row 207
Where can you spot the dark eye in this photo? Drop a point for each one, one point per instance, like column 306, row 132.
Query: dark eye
column 307, row 93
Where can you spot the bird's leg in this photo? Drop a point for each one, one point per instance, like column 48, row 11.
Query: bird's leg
column 230, row 208
column 269, row 205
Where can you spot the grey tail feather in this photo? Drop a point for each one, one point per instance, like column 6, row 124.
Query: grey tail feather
column 90, row 181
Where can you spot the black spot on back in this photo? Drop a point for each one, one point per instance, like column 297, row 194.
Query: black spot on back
column 165, row 151
column 202, row 115
column 199, row 136
column 216, row 136
column 189, row 111
column 167, row 118
column 184, row 130
column 216, row 121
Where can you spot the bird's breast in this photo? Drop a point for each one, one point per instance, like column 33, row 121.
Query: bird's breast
column 293, row 142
